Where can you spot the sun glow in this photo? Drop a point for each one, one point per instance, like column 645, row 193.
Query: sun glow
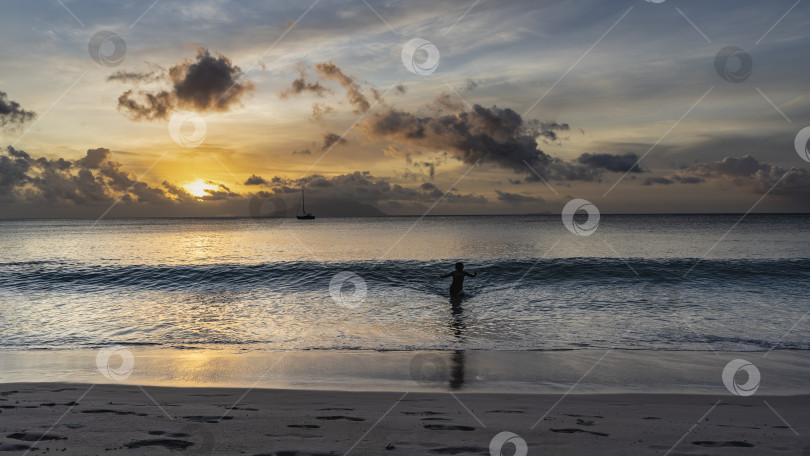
column 198, row 188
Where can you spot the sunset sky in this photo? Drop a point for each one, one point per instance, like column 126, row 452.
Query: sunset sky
column 617, row 102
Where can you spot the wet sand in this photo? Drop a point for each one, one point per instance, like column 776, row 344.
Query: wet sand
column 89, row 419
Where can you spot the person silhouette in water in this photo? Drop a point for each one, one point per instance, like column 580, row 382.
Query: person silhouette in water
column 458, row 279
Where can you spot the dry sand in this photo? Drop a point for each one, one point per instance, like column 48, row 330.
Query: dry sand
column 83, row 419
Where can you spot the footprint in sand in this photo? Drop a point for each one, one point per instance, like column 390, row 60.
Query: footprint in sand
column 14, row 447
column 169, row 434
column 114, row 412
column 34, row 436
column 447, row 427
column 293, row 453
column 460, row 450
column 207, row 419
column 575, row 430
column 731, row 443
column 169, row 444
column 332, row 418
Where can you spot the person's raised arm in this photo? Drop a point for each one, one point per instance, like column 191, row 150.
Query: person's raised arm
column 470, row 275
column 444, row 276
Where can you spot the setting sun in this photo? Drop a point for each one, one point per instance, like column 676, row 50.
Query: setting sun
column 199, row 188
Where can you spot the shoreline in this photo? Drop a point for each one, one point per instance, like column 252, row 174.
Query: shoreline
column 783, row 372
column 128, row 419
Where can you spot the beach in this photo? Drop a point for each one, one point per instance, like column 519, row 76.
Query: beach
column 77, row 419
column 368, row 403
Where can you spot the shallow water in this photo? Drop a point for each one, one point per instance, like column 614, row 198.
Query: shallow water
column 640, row 282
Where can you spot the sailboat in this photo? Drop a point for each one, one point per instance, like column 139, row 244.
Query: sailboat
column 304, row 214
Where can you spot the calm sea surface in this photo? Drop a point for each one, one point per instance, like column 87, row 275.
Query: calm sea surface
column 639, row 282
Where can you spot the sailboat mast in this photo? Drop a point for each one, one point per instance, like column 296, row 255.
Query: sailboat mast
column 303, row 201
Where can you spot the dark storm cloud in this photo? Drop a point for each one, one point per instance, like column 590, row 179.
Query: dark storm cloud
column 516, row 198
column 610, row 162
column 302, row 152
column 744, row 172
column 208, row 83
column 11, row 113
column 330, row 139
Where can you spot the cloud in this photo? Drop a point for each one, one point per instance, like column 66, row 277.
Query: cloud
column 208, row 83
column 746, row 171
column 319, row 111
column 353, row 91
column 222, row 192
column 255, row 180
column 516, row 198
column 11, row 113
column 154, row 74
column 489, row 135
column 364, row 188
column 302, row 152
column 610, row 162
column 88, row 181
column 330, row 139
column 152, row 105
column 300, row 86
column 446, row 102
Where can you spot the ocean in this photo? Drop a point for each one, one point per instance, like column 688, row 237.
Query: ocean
column 640, row 282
